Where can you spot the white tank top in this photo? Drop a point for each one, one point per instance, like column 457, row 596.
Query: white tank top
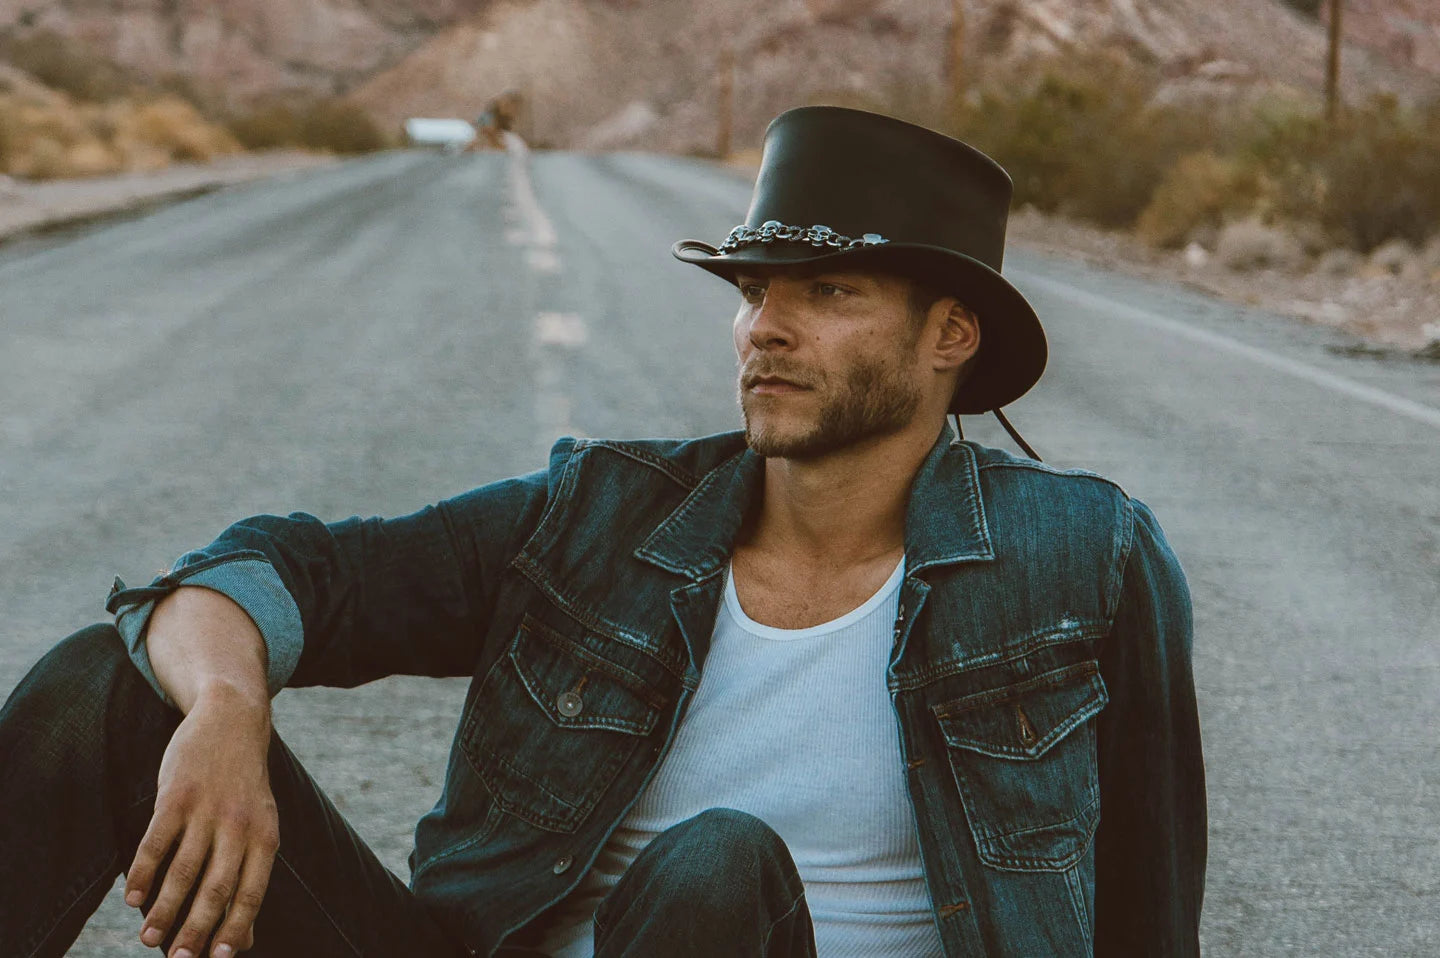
column 794, row 726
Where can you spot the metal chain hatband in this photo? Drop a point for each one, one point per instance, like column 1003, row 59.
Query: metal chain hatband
column 772, row 230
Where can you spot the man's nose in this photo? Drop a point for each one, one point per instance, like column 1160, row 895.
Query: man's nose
column 772, row 326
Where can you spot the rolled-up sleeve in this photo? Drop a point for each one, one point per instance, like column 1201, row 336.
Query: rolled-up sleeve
column 1151, row 843
column 253, row 584
column 343, row 603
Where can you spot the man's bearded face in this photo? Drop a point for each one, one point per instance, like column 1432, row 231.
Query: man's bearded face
column 826, row 361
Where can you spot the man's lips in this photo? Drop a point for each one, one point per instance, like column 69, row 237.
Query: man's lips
column 774, row 384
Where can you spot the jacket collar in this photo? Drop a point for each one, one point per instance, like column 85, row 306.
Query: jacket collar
column 944, row 522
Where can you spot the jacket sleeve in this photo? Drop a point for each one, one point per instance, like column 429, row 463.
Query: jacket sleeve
column 1151, row 841
column 409, row 595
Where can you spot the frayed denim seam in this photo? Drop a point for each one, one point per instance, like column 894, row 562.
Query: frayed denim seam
column 765, row 945
column 316, row 899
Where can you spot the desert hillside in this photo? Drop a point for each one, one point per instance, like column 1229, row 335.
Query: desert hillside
column 643, row 73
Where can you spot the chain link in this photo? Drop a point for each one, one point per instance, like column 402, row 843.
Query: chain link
column 772, row 230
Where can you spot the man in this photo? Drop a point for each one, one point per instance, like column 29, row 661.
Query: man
column 841, row 683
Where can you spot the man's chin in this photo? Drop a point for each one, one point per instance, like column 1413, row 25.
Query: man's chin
column 772, row 443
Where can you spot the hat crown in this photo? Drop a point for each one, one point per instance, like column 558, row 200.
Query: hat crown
column 858, row 172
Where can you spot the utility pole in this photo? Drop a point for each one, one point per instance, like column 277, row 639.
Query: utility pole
column 1332, row 66
column 727, row 101
column 955, row 59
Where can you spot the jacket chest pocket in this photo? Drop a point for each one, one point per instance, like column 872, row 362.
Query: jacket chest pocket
column 1023, row 757
column 552, row 725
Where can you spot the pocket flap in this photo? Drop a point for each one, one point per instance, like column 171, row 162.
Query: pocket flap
column 577, row 688
column 1023, row 720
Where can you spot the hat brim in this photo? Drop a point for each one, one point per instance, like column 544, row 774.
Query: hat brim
column 1013, row 350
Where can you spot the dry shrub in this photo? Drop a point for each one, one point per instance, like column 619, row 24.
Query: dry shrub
column 1083, row 136
column 337, row 125
column 1199, row 192
column 1372, row 176
column 173, row 125
column 267, row 126
column 59, row 138
column 342, row 127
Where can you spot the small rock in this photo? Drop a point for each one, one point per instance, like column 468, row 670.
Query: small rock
column 1196, row 256
column 1392, row 256
column 1339, row 262
column 1249, row 244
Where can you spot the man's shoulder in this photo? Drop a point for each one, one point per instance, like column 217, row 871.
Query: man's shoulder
column 685, row 460
column 1053, row 496
column 1000, row 465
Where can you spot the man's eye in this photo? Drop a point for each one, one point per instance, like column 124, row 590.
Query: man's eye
column 750, row 290
column 825, row 287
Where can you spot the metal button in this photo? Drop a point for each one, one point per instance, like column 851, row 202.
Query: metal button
column 562, row 864
column 569, row 704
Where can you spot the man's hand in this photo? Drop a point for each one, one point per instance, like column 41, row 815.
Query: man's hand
column 215, row 801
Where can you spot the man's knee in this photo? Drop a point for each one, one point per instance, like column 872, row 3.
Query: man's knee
column 728, row 832
column 722, row 850
column 83, row 683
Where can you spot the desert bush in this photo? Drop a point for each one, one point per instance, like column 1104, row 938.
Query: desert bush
column 1083, row 138
column 333, row 124
column 1372, row 176
column 1200, row 191
column 175, row 126
column 267, row 126
column 56, row 137
column 342, row 127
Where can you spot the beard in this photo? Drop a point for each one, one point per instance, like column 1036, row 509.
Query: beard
column 872, row 399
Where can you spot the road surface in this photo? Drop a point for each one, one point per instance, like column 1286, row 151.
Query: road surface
column 372, row 337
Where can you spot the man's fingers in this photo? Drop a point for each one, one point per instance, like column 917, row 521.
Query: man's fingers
column 238, row 931
column 180, row 877
column 159, row 836
column 213, row 895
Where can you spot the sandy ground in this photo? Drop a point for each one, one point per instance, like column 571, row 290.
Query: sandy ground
column 28, row 207
column 1386, row 313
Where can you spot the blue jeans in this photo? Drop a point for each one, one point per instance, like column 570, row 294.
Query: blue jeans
column 81, row 738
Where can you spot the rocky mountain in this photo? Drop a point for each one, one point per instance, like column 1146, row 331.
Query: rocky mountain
column 646, row 73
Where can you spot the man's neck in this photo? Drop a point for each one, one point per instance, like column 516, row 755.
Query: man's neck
column 844, row 508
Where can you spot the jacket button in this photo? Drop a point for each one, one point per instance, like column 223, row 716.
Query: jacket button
column 569, row 704
column 562, row 864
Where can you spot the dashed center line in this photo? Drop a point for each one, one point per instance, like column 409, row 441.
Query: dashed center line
column 553, row 332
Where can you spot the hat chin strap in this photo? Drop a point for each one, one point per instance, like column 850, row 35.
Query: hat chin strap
column 960, row 433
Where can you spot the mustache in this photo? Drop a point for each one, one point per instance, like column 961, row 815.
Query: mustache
column 767, row 368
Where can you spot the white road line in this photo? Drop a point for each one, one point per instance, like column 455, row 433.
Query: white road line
column 538, row 231
column 528, row 226
column 1419, row 412
column 560, row 329
column 542, row 260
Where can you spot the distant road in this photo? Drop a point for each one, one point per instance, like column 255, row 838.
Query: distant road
column 369, row 338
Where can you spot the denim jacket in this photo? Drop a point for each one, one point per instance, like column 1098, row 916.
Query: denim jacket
column 1040, row 675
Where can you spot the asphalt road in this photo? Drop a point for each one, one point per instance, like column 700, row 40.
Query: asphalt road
column 369, row 338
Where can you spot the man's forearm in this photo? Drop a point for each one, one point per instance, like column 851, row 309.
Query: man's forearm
column 200, row 642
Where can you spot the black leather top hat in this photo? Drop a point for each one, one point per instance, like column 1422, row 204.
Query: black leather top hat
column 842, row 184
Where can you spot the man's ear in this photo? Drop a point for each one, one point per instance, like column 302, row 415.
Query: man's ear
column 959, row 333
